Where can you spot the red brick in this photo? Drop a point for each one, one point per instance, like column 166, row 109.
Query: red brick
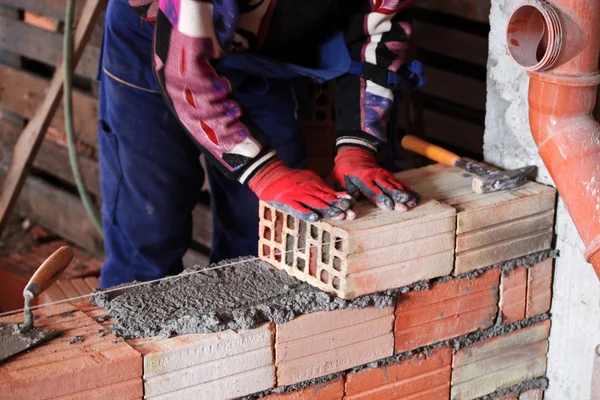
column 127, row 390
column 417, row 378
column 539, row 288
column 60, row 369
column 448, row 309
column 333, row 390
column 513, row 290
column 500, row 362
column 535, row 394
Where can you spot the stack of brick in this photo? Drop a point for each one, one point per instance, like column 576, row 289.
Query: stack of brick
column 460, row 337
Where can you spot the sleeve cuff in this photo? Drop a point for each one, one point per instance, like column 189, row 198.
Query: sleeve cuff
column 256, row 165
column 353, row 141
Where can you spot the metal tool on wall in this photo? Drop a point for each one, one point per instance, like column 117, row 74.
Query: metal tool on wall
column 486, row 179
column 16, row 338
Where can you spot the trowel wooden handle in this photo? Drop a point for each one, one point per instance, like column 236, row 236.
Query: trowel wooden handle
column 49, row 271
column 429, row 150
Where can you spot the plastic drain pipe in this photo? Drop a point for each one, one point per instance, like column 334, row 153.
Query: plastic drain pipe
column 558, row 43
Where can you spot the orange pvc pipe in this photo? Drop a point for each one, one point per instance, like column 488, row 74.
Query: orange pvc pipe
column 558, row 42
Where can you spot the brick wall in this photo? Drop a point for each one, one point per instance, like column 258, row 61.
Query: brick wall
column 472, row 276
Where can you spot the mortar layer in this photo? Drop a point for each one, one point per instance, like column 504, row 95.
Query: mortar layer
column 238, row 294
column 242, row 294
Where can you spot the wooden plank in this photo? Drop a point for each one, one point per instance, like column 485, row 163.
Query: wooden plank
column 58, row 211
column 21, row 93
column 453, row 132
column 32, row 137
column 203, row 225
column 8, row 58
column 48, row 8
column 53, row 159
column 456, row 88
column 450, row 42
column 478, row 10
column 43, row 46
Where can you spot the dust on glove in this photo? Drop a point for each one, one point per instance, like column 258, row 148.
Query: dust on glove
column 300, row 193
column 357, row 172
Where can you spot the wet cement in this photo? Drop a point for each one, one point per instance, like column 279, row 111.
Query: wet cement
column 239, row 296
column 13, row 340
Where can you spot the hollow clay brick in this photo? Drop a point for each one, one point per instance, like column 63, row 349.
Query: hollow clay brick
column 127, row 390
column 500, row 362
column 221, row 363
column 447, row 310
column 332, row 390
column 513, row 290
column 491, row 227
column 423, row 378
column 539, row 288
column 59, row 368
column 323, row 343
column 379, row 250
column 535, row 394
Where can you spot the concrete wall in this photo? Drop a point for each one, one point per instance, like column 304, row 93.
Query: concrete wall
column 576, row 299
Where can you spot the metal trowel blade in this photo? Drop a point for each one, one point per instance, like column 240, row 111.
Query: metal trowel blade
column 13, row 341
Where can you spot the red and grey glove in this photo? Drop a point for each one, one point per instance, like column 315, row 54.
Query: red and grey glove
column 301, row 193
column 357, row 172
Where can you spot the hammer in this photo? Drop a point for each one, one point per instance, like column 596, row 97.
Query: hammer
column 486, row 181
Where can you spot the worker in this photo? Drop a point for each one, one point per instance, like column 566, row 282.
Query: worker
column 180, row 78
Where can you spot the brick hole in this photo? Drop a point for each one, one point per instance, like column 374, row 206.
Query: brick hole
column 279, row 227
column 320, row 115
column 302, row 228
column 290, row 222
column 266, row 250
column 300, row 264
column 339, row 245
column 289, row 250
column 277, row 254
column 268, row 214
column 337, row 264
column 312, row 261
column 321, row 99
column 336, row 282
column 267, row 233
column 314, row 232
column 324, row 276
column 325, row 247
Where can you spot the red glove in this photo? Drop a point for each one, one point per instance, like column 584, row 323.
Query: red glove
column 357, row 172
column 301, row 193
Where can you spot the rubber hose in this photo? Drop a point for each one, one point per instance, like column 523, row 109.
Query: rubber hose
column 88, row 205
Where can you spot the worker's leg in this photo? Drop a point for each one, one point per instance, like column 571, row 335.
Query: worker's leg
column 235, row 207
column 150, row 172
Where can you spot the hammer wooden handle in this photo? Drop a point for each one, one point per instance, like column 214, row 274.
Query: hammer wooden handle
column 49, row 271
column 429, row 150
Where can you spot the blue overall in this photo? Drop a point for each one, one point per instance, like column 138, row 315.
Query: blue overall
column 150, row 173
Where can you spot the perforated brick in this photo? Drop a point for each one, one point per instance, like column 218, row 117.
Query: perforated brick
column 62, row 368
column 379, row 250
column 491, row 227
column 419, row 377
column 500, row 362
column 221, row 365
column 318, row 344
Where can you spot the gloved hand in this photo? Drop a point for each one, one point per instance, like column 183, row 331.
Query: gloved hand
column 301, row 193
column 357, row 172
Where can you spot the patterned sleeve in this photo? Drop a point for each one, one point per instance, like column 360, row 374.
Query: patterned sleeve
column 190, row 36
column 377, row 34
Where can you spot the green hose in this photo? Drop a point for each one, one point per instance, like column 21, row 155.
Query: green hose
column 68, row 110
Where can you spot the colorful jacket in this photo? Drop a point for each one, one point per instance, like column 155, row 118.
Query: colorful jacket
column 191, row 34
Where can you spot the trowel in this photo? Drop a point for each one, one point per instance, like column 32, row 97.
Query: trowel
column 16, row 338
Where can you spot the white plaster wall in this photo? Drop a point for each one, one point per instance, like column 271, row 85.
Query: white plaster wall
column 576, row 294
